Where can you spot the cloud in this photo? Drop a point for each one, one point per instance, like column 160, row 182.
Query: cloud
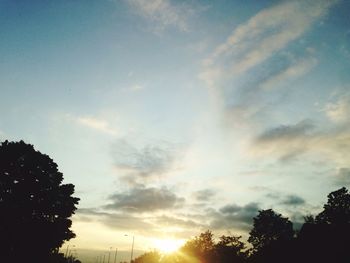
column 175, row 222
column 161, row 218
column 292, row 200
column 163, row 13
column 269, row 31
column 176, row 225
column 204, row 195
column 143, row 163
column 287, row 142
column 96, row 124
column 256, row 57
column 287, row 132
column 298, row 69
column 234, row 217
column 122, row 221
column 142, row 199
column 285, row 200
column 339, row 111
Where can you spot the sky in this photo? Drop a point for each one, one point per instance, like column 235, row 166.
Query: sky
column 174, row 117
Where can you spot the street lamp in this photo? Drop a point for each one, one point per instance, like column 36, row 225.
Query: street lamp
column 132, row 247
column 109, row 254
column 115, row 255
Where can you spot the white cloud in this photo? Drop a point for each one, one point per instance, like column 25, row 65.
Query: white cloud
column 96, row 124
column 162, row 12
column 269, row 31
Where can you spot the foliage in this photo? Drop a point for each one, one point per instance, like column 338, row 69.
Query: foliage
column 201, row 246
column 35, row 206
column 148, row 257
column 230, row 248
column 337, row 209
column 269, row 227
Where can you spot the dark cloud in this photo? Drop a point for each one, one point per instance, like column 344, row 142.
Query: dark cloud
column 234, row 217
column 286, row 200
column 293, row 200
column 230, row 209
column 143, row 199
column 143, row 163
column 286, row 141
column 286, row 132
column 123, row 221
column 204, row 195
column 230, row 217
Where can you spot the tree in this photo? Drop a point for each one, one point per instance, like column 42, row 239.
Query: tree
column 269, row 227
column 230, row 249
column 148, row 257
column 34, row 204
column 200, row 247
column 326, row 237
column 337, row 209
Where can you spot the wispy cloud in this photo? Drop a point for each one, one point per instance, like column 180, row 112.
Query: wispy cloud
column 298, row 69
column 287, row 142
column 140, row 164
column 339, row 111
column 163, row 13
column 256, row 58
column 287, row 132
column 97, row 124
column 269, row 31
column 144, row 199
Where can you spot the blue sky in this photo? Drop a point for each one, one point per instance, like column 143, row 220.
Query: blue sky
column 173, row 117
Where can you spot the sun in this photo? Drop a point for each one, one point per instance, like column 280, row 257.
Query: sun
column 168, row 245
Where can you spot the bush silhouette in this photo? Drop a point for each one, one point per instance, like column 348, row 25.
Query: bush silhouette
column 34, row 204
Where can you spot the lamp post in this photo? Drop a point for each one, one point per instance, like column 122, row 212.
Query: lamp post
column 132, row 247
column 109, row 254
column 115, row 255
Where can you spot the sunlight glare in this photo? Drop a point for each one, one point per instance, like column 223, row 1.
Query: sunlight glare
column 168, row 245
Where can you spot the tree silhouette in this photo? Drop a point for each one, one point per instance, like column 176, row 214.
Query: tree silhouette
column 35, row 206
column 326, row 237
column 269, row 227
column 230, row 249
column 337, row 209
